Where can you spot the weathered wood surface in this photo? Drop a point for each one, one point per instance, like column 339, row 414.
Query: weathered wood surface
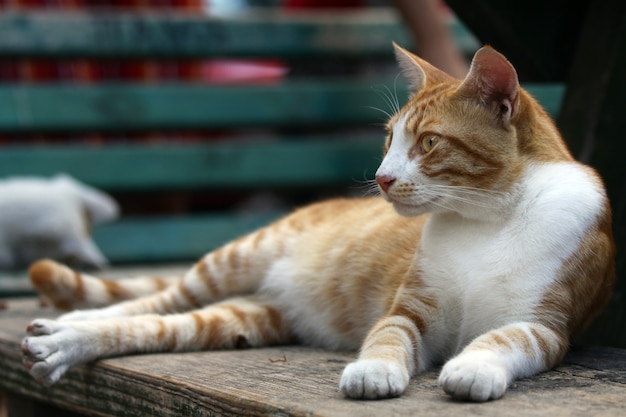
column 290, row 381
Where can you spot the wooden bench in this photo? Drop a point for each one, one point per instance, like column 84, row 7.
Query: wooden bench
column 285, row 381
column 324, row 131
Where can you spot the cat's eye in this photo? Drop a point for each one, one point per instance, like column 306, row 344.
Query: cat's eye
column 428, row 142
column 388, row 141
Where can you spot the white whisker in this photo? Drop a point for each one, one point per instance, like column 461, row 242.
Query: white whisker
column 451, row 193
column 393, row 100
column 465, row 189
column 395, row 92
column 469, row 201
column 390, row 97
column 386, row 98
column 386, row 113
column 368, row 187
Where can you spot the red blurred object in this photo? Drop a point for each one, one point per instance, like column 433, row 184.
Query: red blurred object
column 243, row 72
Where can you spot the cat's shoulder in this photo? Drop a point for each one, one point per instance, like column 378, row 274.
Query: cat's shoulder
column 564, row 188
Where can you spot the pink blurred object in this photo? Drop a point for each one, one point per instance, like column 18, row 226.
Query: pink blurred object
column 243, row 72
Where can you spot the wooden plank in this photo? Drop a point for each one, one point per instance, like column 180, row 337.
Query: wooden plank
column 314, row 161
column 291, row 381
column 126, row 107
column 108, row 107
column 366, row 33
column 161, row 239
column 21, row 406
column 549, row 95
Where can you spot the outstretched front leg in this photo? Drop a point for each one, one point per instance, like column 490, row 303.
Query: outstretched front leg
column 52, row 347
column 486, row 367
column 392, row 351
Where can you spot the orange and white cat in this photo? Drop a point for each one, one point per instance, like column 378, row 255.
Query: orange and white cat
column 515, row 257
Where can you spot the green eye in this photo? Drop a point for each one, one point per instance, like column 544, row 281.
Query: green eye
column 428, row 141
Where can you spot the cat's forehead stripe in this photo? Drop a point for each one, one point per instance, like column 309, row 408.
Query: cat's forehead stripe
column 417, row 109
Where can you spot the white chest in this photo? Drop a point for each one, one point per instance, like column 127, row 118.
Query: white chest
column 491, row 273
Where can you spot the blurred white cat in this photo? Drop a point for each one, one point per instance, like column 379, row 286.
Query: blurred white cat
column 51, row 218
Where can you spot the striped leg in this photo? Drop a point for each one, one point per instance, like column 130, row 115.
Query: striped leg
column 237, row 268
column 486, row 367
column 207, row 281
column 52, row 347
column 387, row 360
column 391, row 353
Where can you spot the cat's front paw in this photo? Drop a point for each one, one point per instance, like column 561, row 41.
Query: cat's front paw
column 48, row 350
column 373, row 379
column 475, row 376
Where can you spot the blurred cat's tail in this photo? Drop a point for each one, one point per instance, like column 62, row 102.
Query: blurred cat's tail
column 67, row 289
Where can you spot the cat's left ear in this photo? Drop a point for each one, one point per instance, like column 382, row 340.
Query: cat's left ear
column 494, row 80
column 417, row 71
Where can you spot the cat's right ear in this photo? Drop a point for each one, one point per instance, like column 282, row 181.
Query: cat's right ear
column 417, row 71
column 494, row 80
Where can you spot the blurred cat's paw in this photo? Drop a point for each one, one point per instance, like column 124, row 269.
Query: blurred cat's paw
column 373, row 379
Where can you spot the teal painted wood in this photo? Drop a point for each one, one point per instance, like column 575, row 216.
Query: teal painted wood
column 549, row 95
column 169, row 239
column 313, row 161
column 110, row 107
column 259, row 34
column 25, row 108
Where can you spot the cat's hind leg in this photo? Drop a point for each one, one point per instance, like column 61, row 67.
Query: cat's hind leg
column 237, row 268
column 52, row 347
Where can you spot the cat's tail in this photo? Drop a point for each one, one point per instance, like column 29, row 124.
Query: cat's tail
column 67, row 289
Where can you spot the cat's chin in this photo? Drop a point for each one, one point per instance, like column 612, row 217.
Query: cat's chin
column 410, row 210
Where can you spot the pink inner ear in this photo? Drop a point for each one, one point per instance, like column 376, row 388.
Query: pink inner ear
column 493, row 77
column 418, row 71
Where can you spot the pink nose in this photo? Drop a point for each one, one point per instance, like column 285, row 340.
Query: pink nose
column 385, row 181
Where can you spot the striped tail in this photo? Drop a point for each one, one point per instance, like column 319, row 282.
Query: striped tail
column 67, row 289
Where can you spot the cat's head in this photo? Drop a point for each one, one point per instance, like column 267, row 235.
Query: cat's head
column 462, row 145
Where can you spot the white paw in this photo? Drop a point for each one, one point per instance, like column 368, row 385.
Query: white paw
column 373, row 379
column 475, row 376
column 49, row 350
